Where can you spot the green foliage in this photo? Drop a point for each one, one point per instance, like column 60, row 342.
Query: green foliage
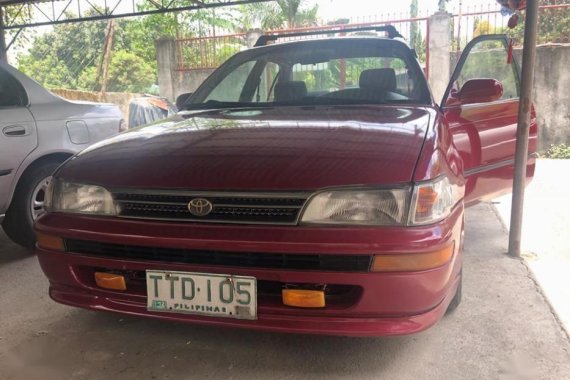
column 124, row 67
column 70, row 56
column 57, row 58
column 559, row 151
column 417, row 42
column 260, row 15
column 15, row 14
column 483, row 27
column 553, row 24
column 271, row 16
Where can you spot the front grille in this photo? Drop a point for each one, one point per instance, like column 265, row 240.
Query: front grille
column 227, row 208
column 344, row 263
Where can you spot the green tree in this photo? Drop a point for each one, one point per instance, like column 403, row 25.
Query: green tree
column 18, row 14
column 70, row 57
column 271, row 16
column 417, row 42
column 57, row 58
column 260, row 15
column 553, row 24
column 295, row 15
column 124, row 67
column 483, row 27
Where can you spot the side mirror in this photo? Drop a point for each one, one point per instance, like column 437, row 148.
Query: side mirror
column 480, row 91
column 182, row 99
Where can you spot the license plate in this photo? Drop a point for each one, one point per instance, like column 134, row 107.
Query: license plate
column 215, row 295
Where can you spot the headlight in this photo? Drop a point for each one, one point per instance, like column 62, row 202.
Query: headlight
column 77, row 198
column 364, row 207
column 433, row 201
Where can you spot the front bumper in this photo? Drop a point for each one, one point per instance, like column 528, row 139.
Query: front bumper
column 381, row 303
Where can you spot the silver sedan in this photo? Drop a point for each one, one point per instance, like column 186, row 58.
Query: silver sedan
column 38, row 131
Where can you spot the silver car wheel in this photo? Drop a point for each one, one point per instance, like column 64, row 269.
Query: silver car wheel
column 38, row 198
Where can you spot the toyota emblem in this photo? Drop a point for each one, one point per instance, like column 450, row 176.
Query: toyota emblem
column 200, row 207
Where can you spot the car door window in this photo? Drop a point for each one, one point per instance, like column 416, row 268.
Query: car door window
column 488, row 58
column 12, row 93
column 484, row 130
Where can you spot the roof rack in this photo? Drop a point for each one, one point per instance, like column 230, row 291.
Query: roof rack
column 389, row 29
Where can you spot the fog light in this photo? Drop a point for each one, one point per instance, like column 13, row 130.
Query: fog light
column 303, row 298
column 409, row 262
column 46, row 241
column 110, row 281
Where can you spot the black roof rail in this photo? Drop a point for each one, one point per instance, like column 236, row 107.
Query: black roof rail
column 389, row 29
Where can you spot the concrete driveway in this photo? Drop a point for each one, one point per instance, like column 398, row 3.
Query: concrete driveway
column 503, row 330
column 545, row 237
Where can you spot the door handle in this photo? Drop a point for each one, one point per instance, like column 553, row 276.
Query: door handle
column 16, row 130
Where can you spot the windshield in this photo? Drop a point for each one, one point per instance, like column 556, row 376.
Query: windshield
column 350, row 71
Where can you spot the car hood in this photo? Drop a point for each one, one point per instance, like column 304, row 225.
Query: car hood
column 280, row 148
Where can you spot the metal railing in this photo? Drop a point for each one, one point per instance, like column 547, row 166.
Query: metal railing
column 470, row 21
column 199, row 53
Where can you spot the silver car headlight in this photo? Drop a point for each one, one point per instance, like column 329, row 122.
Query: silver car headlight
column 374, row 207
column 78, row 198
column 433, row 201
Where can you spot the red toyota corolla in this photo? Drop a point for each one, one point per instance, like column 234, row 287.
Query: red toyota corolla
column 310, row 186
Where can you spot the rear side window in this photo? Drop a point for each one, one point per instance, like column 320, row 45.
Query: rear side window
column 12, row 94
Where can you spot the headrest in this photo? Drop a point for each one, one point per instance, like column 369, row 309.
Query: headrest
column 290, row 91
column 383, row 79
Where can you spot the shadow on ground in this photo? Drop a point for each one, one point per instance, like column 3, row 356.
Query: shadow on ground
column 11, row 251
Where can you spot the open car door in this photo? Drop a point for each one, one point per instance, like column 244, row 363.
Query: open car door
column 481, row 107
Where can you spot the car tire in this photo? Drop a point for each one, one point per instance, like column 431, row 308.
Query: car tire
column 19, row 221
column 458, row 295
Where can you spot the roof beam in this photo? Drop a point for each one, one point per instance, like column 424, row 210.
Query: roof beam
column 87, row 11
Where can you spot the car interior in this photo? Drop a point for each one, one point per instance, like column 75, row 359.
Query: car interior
column 366, row 72
column 11, row 92
column 374, row 85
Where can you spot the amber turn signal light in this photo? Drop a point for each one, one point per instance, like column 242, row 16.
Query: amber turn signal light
column 110, row 281
column 409, row 262
column 303, row 298
column 46, row 241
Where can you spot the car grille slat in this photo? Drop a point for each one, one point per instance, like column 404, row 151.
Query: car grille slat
column 344, row 263
column 228, row 208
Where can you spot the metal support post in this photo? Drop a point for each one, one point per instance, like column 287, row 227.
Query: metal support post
column 525, row 106
column 3, row 49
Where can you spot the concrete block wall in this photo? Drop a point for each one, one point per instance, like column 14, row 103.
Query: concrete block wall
column 552, row 94
column 121, row 99
column 173, row 82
